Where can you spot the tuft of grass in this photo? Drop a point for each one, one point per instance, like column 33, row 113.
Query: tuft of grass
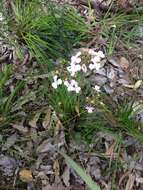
column 66, row 104
column 12, row 99
column 106, row 120
column 7, row 99
column 49, row 30
column 120, row 28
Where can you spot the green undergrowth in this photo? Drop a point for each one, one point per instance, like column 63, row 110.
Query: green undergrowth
column 49, row 30
column 7, row 98
column 120, row 29
column 111, row 120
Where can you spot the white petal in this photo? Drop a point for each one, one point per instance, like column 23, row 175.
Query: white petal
column 78, row 60
column 89, row 109
column 55, row 78
column 73, row 58
column 78, row 54
column 69, row 68
column 77, row 68
column 73, row 73
column 91, row 66
column 71, row 88
column 97, row 66
column 73, row 83
column 59, row 81
column 77, row 90
column 54, row 85
column 100, row 54
column 91, row 52
column 97, row 88
column 96, row 59
column 66, row 83
column 84, row 68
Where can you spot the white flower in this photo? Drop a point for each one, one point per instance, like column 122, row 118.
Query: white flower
column 72, row 86
column 96, row 59
column 91, row 66
column 95, row 65
column 97, row 88
column 66, row 83
column 84, row 68
column 76, row 58
column 57, row 82
column 100, row 54
column 73, row 68
column 89, row 109
column 91, row 52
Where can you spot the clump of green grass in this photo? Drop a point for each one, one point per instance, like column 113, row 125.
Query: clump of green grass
column 49, row 30
column 120, row 28
column 106, row 120
column 7, row 98
column 12, row 97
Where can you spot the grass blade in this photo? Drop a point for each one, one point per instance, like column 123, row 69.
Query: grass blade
column 87, row 179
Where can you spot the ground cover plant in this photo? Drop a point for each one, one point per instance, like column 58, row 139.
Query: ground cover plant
column 71, row 84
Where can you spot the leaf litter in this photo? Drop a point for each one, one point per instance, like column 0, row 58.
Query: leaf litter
column 114, row 77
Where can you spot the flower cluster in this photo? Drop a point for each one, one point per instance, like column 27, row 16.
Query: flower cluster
column 57, row 81
column 96, row 60
column 72, row 85
column 76, row 66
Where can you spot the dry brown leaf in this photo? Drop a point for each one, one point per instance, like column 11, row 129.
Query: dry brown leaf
column 123, row 177
column 47, row 119
column 59, row 134
column 124, row 63
column 56, row 167
column 138, row 84
column 110, row 151
column 125, row 4
column 134, row 86
column 33, row 121
column 66, row 176
column 56, row 186
column 45, row 146
column 26, row 175
column 130, row 182
column 20, row 128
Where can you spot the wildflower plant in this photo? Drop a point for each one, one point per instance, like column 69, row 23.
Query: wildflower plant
column 77, row 97
column 71, row 85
